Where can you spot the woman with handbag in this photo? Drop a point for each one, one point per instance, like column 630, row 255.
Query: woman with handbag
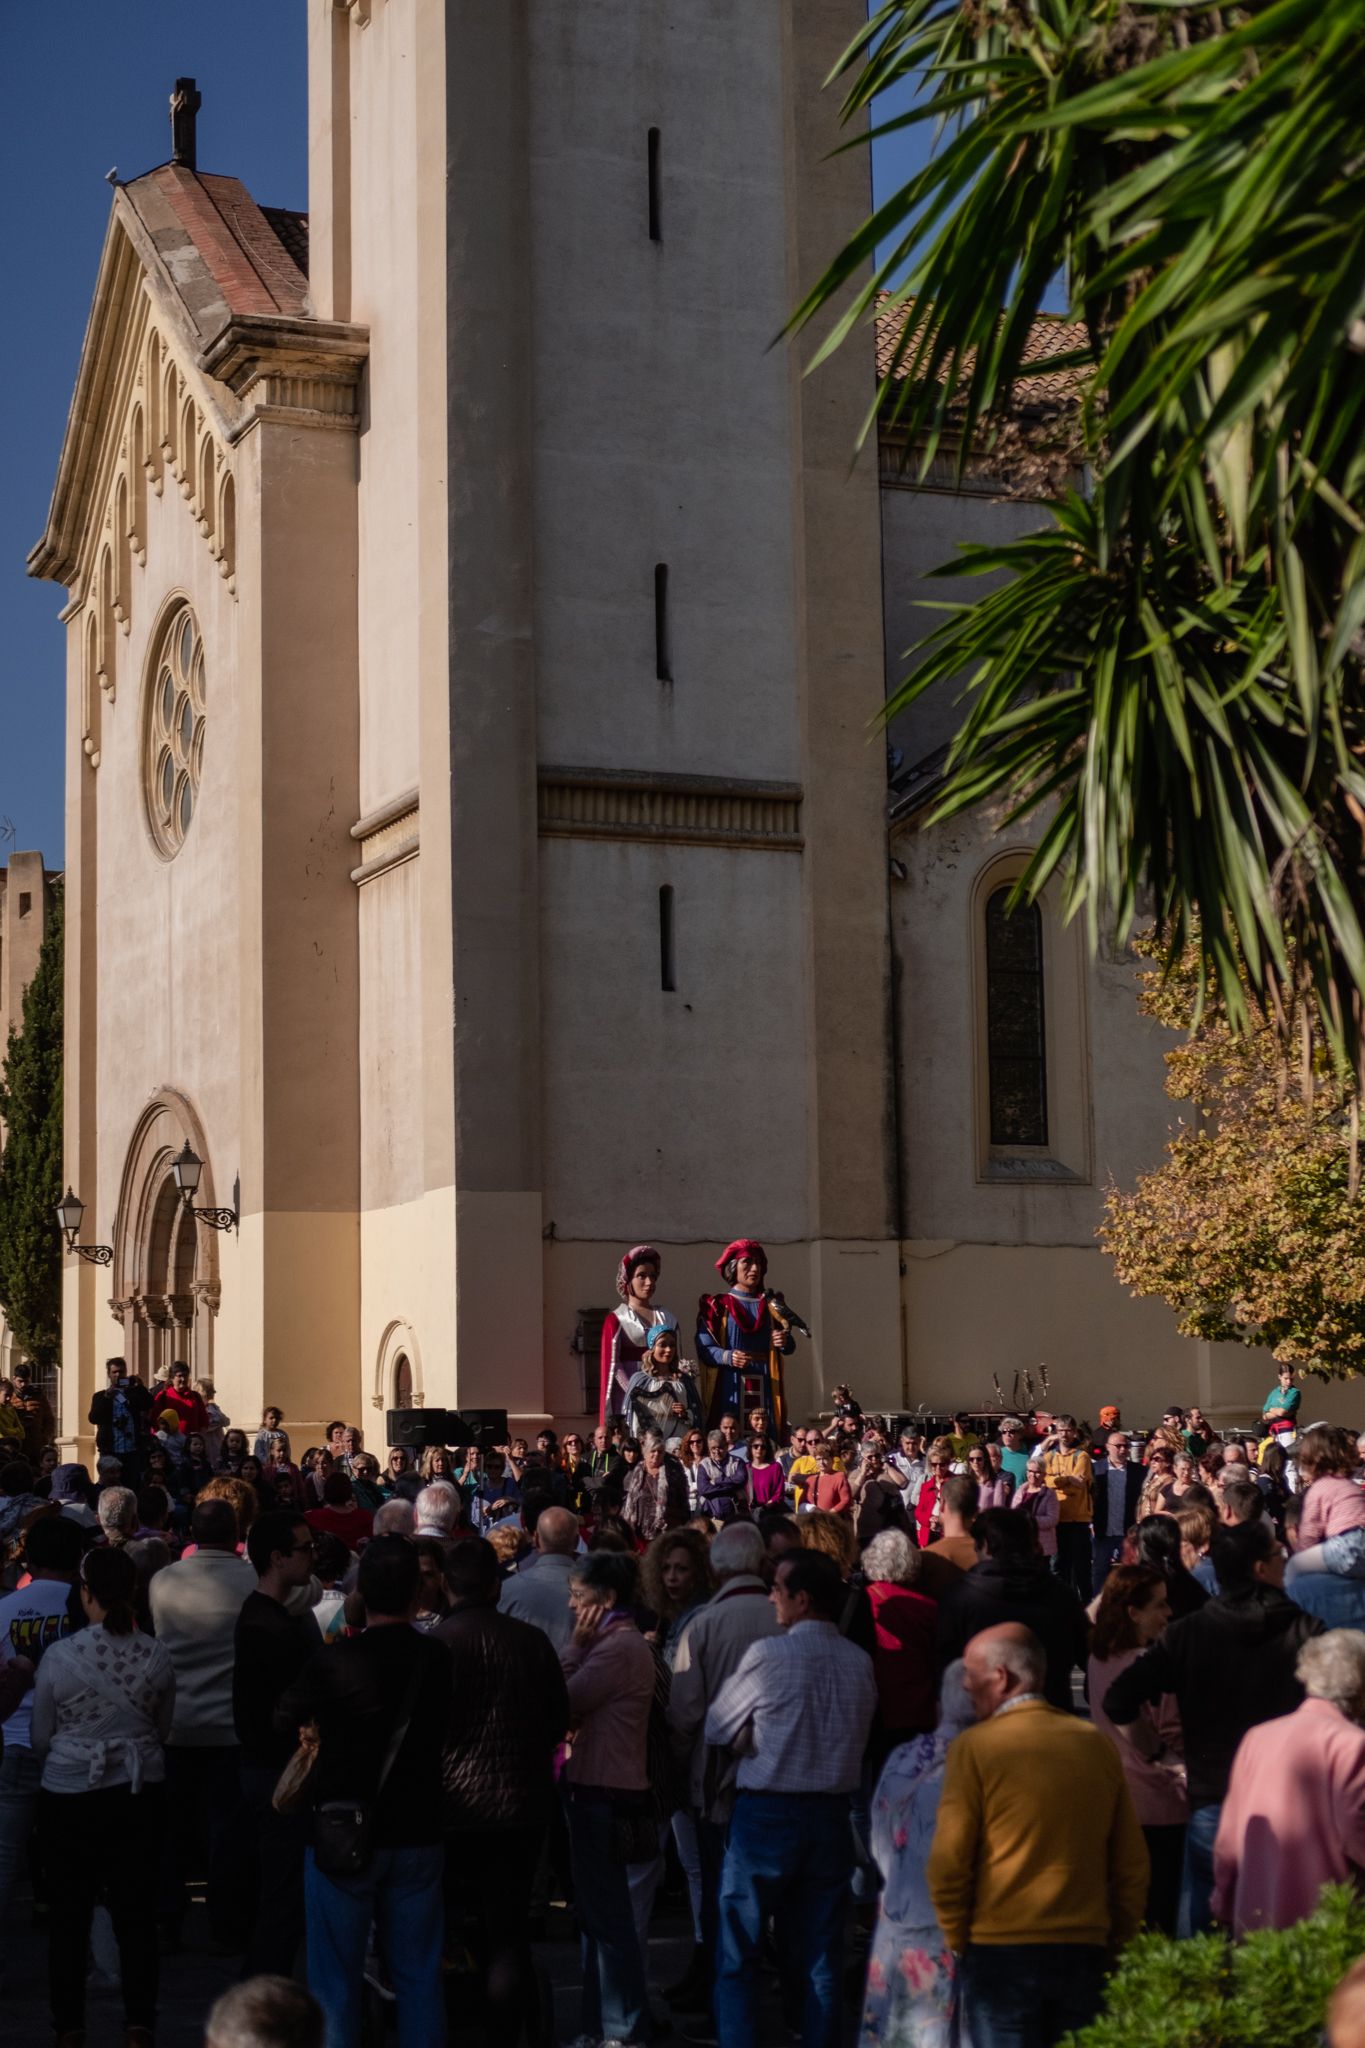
column 379, row 1701
column 102, row 1707
column 610, row 1672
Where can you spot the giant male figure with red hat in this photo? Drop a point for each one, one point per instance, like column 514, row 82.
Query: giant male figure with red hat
column 743, row 1335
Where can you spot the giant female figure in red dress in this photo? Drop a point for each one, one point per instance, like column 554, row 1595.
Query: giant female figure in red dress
column 626, row 1331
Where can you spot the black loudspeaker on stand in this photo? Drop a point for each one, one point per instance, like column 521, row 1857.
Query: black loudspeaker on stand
column 417, row 1429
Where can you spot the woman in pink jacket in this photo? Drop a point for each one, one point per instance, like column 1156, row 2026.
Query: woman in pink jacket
column 1294, row 1816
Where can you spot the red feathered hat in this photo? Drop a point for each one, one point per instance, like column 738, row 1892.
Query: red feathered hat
column 742, row 1248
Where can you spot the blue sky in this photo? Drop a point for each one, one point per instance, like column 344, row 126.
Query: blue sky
column 85, row 90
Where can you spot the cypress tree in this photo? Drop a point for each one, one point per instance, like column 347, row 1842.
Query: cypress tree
column 31, row 1163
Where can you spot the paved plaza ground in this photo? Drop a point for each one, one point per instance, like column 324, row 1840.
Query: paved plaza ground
column 192, row 1980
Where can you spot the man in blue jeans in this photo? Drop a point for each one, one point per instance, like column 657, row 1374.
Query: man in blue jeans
column 360, row 1692
column 797, row 1712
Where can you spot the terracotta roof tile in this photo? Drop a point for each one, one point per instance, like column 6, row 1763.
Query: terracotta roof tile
column 292, row 229
column 221, row 251
column 1049, row 336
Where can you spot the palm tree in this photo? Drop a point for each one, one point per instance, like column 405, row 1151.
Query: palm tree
column 1172, row 664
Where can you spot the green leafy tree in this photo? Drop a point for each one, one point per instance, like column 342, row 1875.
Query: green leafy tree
column 1174, row 661
column 1248, row 1229
column 31, row 1163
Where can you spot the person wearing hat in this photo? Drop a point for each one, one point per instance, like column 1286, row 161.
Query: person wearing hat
column 626, row 1331
column 663, row 1398
column 738, row 1338
column 1109, row 1419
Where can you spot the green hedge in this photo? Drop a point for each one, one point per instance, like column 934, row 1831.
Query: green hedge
column 1269, row 1991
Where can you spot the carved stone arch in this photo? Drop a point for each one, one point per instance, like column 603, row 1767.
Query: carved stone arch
column 398, row 1381
column 206, row 499
column 189, row 448
column 151, row 383
column 165, row 1269
column 104, row 612
column 123, row 554
column 225, row 536
column 170, row 415
column 138, row 467
column 90, row 685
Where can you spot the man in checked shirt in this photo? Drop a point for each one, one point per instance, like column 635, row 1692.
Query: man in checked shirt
column 797, row 1713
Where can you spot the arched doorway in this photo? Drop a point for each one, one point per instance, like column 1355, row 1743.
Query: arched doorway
column 165, row 1271
column 397, row 1379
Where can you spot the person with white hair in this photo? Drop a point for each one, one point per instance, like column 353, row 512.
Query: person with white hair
column 1039, row 1870
column 438, row 1511
column 1293, row 1819
column 265, row 2012
column 395, row 1518
column 117, row 1511
column 911, row 1975
column 905, row 1659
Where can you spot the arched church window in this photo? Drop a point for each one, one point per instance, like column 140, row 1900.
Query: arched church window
column 1016, row 1043
column 402, row 1381
column 173, row 727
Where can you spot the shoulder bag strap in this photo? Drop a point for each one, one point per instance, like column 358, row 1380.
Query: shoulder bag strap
column 397, row 1739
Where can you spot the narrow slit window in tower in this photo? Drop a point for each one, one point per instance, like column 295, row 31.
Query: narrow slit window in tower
column 663, row 666
column 667, row 974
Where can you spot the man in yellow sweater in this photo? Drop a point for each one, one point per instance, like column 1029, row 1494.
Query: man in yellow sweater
column 1039, row 1869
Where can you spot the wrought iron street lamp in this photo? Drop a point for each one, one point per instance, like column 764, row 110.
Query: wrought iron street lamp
column 70, row 1211
column 187, row 1167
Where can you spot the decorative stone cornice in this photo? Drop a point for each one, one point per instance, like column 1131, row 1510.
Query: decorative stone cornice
column 306, row 372
column 595, row 803
column 388, row 837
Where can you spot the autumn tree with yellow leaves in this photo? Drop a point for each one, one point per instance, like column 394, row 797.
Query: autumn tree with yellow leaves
column 1254, row 1229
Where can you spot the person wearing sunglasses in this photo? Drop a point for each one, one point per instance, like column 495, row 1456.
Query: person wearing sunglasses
column 994, row 1490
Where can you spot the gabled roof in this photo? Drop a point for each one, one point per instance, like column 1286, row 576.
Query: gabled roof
column 223, row 254
column 210, row 263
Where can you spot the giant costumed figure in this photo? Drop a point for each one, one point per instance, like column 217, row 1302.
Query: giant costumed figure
column 743, row 1336
column 626, row 1331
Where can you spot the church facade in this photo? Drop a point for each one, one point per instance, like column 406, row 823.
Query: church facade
column 481, row 851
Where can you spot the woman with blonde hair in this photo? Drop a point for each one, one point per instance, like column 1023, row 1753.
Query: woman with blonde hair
column 1196, row 1526
column 435, row 1463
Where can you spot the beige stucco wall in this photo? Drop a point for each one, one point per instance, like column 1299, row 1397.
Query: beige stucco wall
column 1002, row 1273
column 680, row 1113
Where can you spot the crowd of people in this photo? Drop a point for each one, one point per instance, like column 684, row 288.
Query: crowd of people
column 1000, row 1693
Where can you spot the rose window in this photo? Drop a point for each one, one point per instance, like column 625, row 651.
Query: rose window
column 175, row 731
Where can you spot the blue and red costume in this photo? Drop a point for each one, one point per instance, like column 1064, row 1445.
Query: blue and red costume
column 738, row 1322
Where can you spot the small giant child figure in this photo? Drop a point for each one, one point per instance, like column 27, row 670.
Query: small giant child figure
column 663, row 1398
